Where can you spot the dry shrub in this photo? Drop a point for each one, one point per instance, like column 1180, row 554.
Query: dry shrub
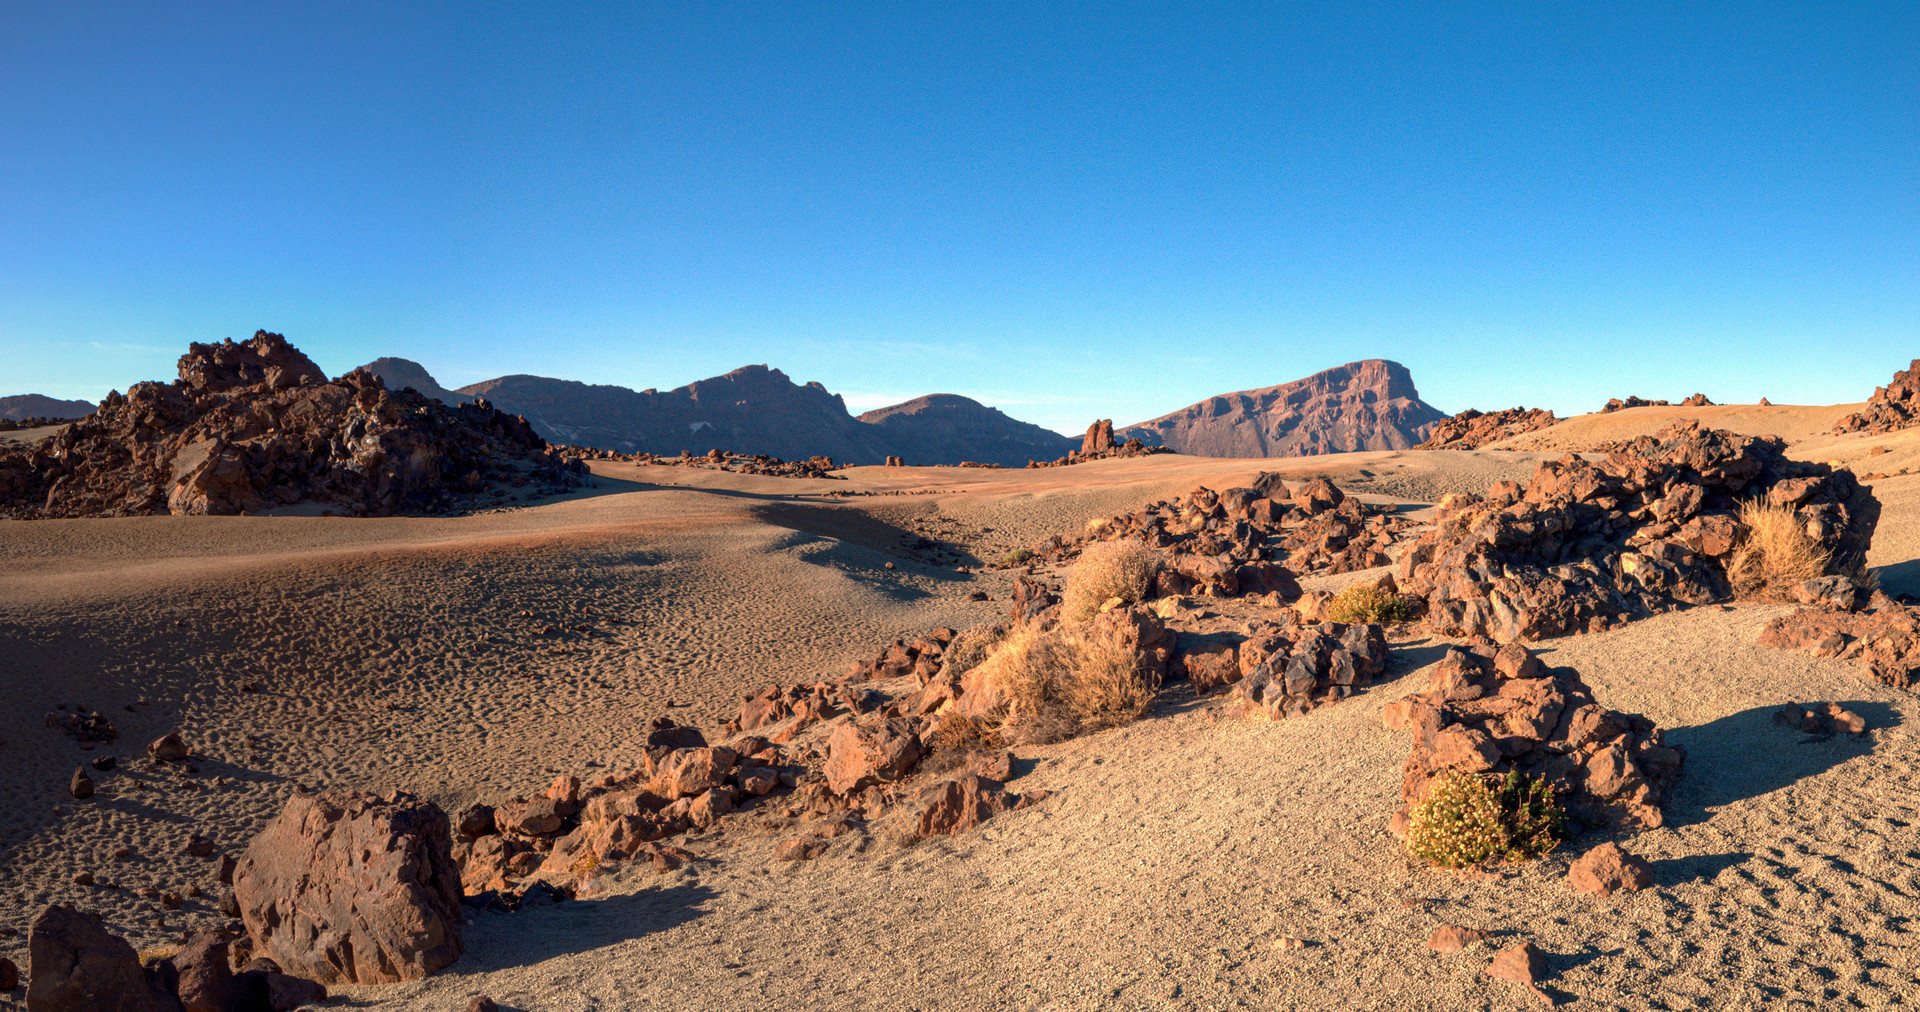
column 1109, row 569
column 1775, row 553
column 1063, row 683
column 969, row 648
column 956, row 736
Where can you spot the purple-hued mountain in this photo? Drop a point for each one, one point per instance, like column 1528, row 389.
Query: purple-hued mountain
column 1367, row 405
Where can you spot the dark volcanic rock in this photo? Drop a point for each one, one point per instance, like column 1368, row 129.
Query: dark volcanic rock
column 1470, row 429
column 347, row 887
column 1369, row 405
column 255, row 425
column 1586, row 546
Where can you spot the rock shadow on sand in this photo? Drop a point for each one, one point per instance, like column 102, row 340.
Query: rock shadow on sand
column 498, row 941
column 1746, row 755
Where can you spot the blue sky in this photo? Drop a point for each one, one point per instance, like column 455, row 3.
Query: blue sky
column 1067, row 211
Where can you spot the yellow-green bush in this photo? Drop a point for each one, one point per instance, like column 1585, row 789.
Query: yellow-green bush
column 1469, row 819
column 1360, row 603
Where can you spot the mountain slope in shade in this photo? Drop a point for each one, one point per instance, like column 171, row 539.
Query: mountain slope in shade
column 948, row 428
column 400, row 373
column 21, row 406
column 752, row 409
column 1367, row 405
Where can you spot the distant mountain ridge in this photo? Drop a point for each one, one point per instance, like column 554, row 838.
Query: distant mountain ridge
column 753, row 409
column 1366, row 405
column 400, row 373
column 21, row 406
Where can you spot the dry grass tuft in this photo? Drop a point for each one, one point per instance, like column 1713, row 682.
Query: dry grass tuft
column 1110, row 569
column 1068, row 682
column 1775, row 553
column 972, row 646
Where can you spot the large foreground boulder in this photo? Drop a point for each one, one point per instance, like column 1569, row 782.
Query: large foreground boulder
column 351, row 888
column 75, row 965
column 1490, row 711
column 1585, row 546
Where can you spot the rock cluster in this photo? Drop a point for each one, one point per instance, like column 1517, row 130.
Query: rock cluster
column 1873, row 631
column 17, row 424
column 255, row 425
column 1615, row 404
column 1290, row 667
column 352, row 888
column 718, row 460
column 1584, row 546
column 1892, row 407
column 1825, row 720
column 84, row 725
column 1470, row 429
column 1488, row 711
column 1248, row 540
column 1098, row 444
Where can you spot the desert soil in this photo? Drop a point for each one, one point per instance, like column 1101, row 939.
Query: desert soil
column 473, row 657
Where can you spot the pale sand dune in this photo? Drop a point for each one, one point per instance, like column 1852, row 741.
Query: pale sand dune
column 1177, row 853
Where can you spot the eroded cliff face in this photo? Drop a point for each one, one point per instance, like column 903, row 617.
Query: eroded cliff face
column 1368, row 405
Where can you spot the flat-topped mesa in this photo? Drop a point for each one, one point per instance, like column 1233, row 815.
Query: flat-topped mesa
column 255, row 425
column 1367, row 405
column 1583, row 546
column 1470, row 429
column 1892, row 407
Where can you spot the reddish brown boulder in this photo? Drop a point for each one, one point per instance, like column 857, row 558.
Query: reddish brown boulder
column 81, row 786
column 530, row 816
column 959, row 805
column 1099, row 437
column 347, row 887
column 1453, row 938
column 862, row 754
column 1489, row 711
column 800, row 848
column 1521, row 964
column 9, row 974
column 1607, row 869
column 75, row 965
column 207, row 983
column 171, row 748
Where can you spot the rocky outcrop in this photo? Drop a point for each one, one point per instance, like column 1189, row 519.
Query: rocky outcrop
column 1470, row 429
column 1892, row 407
column 1098, row 444
column 1584, row 546
column 22, row 407
column 352, row 888
column 1369, row 405
column 255, row 425
column 717, row 460
column 75, row 965
column 1874, row 631
column 1616, row 404
column 1488, row 711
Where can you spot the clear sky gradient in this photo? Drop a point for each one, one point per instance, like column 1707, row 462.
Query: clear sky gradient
column 1067, row 211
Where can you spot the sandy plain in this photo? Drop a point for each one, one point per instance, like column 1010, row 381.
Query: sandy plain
column 474, row 657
